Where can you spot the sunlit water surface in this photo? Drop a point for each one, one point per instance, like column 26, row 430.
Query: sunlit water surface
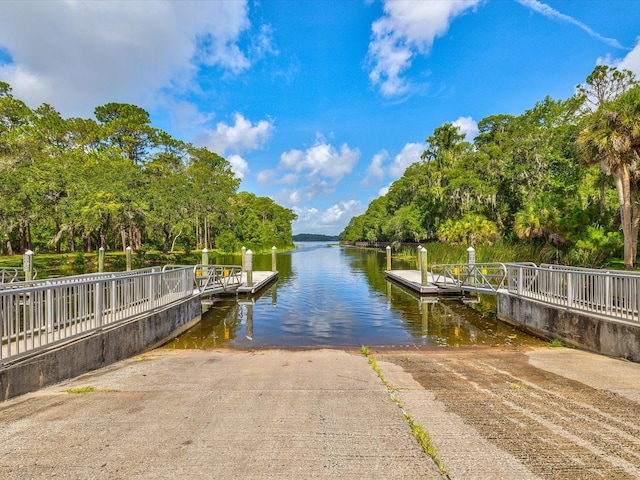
column 338, row 296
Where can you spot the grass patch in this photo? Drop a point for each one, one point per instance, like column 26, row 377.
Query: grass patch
column 80, row 390
column 364, row 350
column 421, row 435
column 556, row 343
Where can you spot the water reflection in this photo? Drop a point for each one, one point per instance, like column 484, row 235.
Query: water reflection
column 333, row 296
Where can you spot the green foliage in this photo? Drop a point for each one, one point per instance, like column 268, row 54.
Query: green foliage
column 77, row 184
column 227, row 242
column 532, row 179
column 470, row 230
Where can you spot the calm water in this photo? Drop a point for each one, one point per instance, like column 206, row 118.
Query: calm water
column 335, row 296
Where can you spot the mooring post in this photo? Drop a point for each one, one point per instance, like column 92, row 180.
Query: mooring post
column 205, row 261
column 128, row 255
column 388, row 257
column 27, row 265
column 273, row 258
column 244, row 258
column 423, row 267
column 249, row 266
column 420, row 257
column 101, row 259
column 471, row 256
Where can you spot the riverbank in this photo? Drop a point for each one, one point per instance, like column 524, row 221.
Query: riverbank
column 490, row 412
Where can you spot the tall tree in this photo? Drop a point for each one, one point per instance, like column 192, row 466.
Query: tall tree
column 611, row 138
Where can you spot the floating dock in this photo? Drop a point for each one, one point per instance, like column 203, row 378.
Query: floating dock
column 413, row 280
column 260, row 280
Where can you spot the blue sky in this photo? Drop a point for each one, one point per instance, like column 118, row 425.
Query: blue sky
column 318, row 104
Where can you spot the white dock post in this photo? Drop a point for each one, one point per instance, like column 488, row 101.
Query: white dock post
column 205, row 261
column 471, row 256
column 273, row 258
column 101, row 259
column 388, row 257
column 419, row 257
column 249, row 267
column 244, row 258
column 128, row 254
column 27, row 265
column 423, row 267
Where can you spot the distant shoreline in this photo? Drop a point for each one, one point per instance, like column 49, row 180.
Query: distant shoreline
column 314, row 237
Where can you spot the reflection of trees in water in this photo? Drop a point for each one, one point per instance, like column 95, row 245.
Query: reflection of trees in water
column 452, row 322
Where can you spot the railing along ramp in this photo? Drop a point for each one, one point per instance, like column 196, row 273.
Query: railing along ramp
column 470, row 277
column 213, row 279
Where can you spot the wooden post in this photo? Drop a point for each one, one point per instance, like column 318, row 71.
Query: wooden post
column 101, row 259
column 419, row 257
column 273, row 258
column 423, row 267
column 388, row 257
column 249, row 266
column 205, row 261
column 128, row 255
column 244, row 258
column 27, row 265
column 471, row 255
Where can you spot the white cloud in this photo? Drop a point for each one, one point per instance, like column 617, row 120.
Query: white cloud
column 306, row 194
column 384, row 190
column 330, row 221
column 632, row 60
column 550, row 12
column 409, row 154
column 76, row 55
column 375, row 171
column 468, row 126
column 241, row 136
column 406, row 29
column 321, row 160
column 239, row 165
column 266, row 177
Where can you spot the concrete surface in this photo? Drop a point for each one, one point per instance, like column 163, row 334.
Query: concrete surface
column 500, row 413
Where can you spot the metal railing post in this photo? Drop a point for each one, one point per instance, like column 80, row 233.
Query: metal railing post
column 99, row 304
column 519, row 289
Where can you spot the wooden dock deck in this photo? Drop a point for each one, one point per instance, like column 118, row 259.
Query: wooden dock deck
column 413, row 280
column 260, row 281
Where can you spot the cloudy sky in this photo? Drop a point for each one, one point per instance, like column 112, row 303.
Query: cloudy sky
column 318, row 104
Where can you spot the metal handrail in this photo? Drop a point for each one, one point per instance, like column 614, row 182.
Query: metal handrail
column 471, row 276
column 214, row 277
column 76, row 278
column 614, row 294
column 12, row 275
column 35, row 316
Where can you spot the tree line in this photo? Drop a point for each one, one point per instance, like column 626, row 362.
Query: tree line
column 563, row 174
column 70, row 184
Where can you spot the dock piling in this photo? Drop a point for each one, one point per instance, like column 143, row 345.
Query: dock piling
column 388, row 257
column 423, row 267
column 249, row 267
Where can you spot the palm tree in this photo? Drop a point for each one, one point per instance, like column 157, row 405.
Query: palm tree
column 611, row 137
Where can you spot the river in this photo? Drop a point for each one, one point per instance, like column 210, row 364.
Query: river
column 331, row 296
